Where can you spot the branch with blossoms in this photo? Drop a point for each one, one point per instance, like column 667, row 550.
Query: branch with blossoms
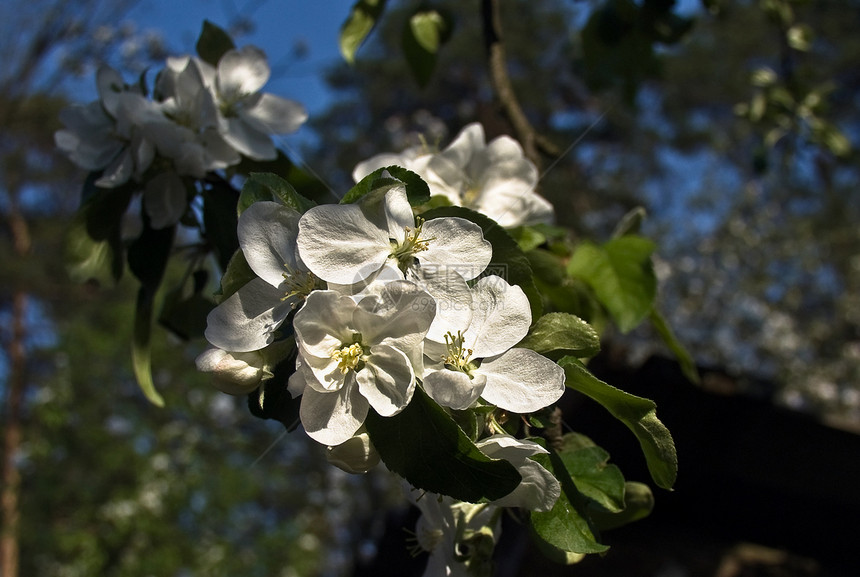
column 427, row 323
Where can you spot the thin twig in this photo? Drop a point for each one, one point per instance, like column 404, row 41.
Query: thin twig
column 533, row 142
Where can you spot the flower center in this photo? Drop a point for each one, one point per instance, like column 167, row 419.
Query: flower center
column 350, row 357
column 458, row 356
column 404, row 252
column 299, row 283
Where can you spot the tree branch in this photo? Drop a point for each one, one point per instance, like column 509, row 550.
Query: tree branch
column 533, row 142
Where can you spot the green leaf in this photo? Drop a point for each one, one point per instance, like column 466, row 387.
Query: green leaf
column 185, row 314
column 588, row 466
column 630, row 223
column 557, row 334
column 147, row 260
column 566, row 527
column 417, row 191
column 237, row 274
column 622, row 276
column 272, row 400
column 213, row 43
column 93, row 248
column 425, row 446
column 220, row 220
column 638, row 414
column 528, row 237
column 507, row 261
column 638, row 504
column 685, row 359
column 423, row 34
column 141, row 358
column 355, row 29
column 271, row 187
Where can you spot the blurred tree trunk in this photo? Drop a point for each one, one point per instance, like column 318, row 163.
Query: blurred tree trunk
column 15, row 388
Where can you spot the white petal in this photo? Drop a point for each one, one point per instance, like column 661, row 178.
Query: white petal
column 110, row 84
column 539, row 489
column 454, row 389
column 333, row 418
column 387, row 380
column 398, row 213
column 242, row 72
column 461, row 150
column 165, row 199
column 522, row 381
column 248, row 140
column 118, row 172
column 453, row 299
column 275, row 115
column 397, row 312
column 501, row 316
column 247, row 320
column 267, row 235
column 362, row 169
column 232, row 373
column 456, row 243
column 339, row 244
column 324, row 323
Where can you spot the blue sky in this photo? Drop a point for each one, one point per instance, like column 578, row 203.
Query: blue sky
column 278, row 26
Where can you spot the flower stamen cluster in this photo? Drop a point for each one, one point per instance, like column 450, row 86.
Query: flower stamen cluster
column 404, row 252
column 349, row 357
column 458, row 355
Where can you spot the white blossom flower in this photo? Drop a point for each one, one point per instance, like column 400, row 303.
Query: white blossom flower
column 248, row 116
column 495, row 179
column 460, row 537
column 233, row 373
column 248, row 319
column 102, row 134
column 353, row 356
column 539, row 489
column 351, row 244
column 191, row 139
column 479, row 360
column 356, row 455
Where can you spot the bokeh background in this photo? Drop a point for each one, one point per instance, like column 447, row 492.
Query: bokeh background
column 734, row 123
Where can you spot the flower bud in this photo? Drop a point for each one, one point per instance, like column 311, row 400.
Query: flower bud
column 233, row 373
column 356, row 455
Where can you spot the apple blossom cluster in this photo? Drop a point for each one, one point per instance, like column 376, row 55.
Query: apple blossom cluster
column 199, row 118
column 495, row 178
column 380, row 302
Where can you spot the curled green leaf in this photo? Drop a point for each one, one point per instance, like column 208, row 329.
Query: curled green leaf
column 638, row 414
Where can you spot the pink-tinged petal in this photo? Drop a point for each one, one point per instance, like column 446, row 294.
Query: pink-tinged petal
column 339, row 244
column 522, row 381
column 456, row 243
column 501, row 316
column 333, row 418
column 242, row 72
column 275, row 115
column 387, row 380
column 267, row 236
column 454, row 389
column 324, row 324
column 247, row 320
